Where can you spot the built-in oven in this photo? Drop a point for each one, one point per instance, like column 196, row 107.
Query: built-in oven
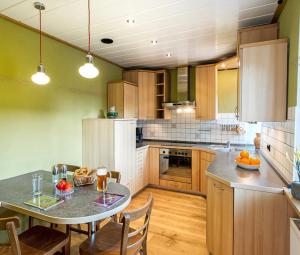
column 175, row 165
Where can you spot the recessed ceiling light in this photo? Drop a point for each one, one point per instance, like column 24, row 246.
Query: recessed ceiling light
column 169, row 54
column 154, row 42
column 130, row 21
column 223, row 65
column 107, row 40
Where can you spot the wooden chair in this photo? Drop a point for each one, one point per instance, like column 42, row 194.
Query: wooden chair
column 38, row 240
column 115, row 238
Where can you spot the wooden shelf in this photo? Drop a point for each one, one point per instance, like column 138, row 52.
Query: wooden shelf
column 160, row 95
column 160, row 109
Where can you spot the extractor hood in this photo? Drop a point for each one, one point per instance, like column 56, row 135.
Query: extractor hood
column 182, row 92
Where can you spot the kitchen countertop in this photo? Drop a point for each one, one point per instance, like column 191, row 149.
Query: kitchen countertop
column 224, row 169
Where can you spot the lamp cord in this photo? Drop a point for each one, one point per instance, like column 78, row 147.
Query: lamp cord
column 89, row 25
column 40, row 37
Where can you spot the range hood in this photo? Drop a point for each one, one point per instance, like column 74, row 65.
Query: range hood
column 182, row 92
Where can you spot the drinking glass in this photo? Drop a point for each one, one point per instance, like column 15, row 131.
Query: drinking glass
column 102, row 179
column 37, row 184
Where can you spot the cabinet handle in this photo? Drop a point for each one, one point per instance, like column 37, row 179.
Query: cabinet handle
column 219, row 188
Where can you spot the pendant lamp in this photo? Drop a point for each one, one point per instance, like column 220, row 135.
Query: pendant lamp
column 88, row 70
column 40, row 77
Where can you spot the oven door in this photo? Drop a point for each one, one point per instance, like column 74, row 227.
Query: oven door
column 163, row 163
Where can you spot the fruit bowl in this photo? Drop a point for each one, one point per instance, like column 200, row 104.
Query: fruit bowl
column 246, row 166
column 64, row 193
column 245, row 161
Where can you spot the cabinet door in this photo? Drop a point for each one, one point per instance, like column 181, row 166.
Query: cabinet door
column 146, row 85
column 154, row 166
column 115, row 97
column 206, row 92
column 196, row 170
column 206, row 159
column 263, row 80
column 219, row 218
column 130, row 101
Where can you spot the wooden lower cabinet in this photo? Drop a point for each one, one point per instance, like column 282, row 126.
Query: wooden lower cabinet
column 142, row 169
column 246, row 222
column 219, row 232
column 260, row 220
column 200, row 162
column 175, row 185
column 154, row 166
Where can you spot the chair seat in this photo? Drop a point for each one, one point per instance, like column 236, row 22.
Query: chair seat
column 25, row 249
column 106, row 241
column 40, row 240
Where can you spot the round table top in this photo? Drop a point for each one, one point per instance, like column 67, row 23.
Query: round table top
column 78, row 209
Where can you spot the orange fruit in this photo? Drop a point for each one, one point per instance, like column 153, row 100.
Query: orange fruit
column 257, row 161
column 244, row 154
column 245, row 161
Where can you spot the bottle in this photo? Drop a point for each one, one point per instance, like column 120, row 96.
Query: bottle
column 63, row 173
column 55, row 174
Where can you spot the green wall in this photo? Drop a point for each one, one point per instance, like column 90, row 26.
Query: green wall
column 289, row 27
column 41, row 125
column 227, row 90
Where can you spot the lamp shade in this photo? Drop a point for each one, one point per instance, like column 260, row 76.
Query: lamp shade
column 88, row 70
column 40, row 77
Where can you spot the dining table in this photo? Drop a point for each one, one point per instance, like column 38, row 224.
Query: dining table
column 77, row 208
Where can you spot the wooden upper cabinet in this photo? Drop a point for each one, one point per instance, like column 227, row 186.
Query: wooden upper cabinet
column 263, row 81
column 124, row 96
column 153, row 91
column 258, row 34
column 206, row 92
column 146, row 84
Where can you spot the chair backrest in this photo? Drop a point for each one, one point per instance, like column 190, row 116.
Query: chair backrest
column 133, row 242
column 10, row 224
column 70, row 168
column 115, row 175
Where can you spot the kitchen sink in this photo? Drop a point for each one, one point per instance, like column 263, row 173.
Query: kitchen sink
column 221, row 148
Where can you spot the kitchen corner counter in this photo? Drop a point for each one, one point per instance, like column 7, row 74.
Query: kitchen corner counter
column 225, row 170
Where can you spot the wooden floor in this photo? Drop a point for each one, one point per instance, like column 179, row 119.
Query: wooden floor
column 177, row 226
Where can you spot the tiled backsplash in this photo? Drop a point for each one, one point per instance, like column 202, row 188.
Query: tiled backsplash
column 184, row 127
column 281, row 137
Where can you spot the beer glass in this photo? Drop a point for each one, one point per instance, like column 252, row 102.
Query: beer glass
column 102, row 179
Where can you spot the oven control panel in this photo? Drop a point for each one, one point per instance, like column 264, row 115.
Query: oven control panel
column 176, row 152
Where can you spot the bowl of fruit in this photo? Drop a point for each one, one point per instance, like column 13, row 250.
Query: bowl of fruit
column 245, row 161
column 64, row 188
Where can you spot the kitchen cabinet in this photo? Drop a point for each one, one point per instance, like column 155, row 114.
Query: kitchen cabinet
column 142, row 168
column 258, row 34
column 110, row 143
column 206, row 92
column 200, row 162
column 263, row 81
column 219, row 218
column 145, row 81
column 124, row 96
column 245, row 221
column 154, row 166
column 162, row 84
column 294, row 236
column 153, row 90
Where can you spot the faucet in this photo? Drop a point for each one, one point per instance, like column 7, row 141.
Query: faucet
column 228, row 145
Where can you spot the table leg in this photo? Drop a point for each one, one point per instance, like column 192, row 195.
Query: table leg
column 67, row 248
column 30, row 222
column 91, row 228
